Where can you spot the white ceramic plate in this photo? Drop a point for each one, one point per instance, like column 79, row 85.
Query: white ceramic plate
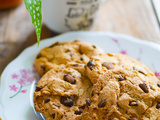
column 19, row 74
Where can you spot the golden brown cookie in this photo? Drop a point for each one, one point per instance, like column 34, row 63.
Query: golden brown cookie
column 123, row 89
column 61, row 94
column 64, row 53
column 109, row 87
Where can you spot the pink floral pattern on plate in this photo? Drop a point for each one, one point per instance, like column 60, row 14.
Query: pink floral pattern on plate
column 23, row 78
column 158, row 75
column 122, row 51
column 156, row 72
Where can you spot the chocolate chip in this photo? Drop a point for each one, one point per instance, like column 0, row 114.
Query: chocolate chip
column 101, row 88
column 47, row 100
column 53, row 115
column 107, row 65
column 93, row 46
column 158, row 84
column 88, row 103
column 91, row 65
column 102, row 104
column 38, row 88
column 81, row 58
column 79, row 112
column 121, row 78
column 133, row 103
column 67, row 101
column 38, row 56
column 133, row 119
column 144, row 87
column 158, row 106
column 69, row 78
column 37, row 97
column 56, row 105
column 63, row 98
column 92, row 93
column 67, row 51
column 56, row 43
column 43, row 67
column 80, row 50
column 75, row 65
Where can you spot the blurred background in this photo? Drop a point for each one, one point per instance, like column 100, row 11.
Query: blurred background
column 139, row 18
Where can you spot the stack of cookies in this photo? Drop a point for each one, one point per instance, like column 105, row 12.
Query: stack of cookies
column 82, row 82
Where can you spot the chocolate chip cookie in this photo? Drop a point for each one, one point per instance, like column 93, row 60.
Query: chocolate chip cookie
column 63, row 53
column 84, row 83
column 123, row 89
column 61, row 94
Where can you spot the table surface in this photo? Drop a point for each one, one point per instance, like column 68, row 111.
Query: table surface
column 139, row 18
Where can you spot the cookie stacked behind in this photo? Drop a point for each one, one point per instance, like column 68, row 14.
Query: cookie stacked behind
column 93, row 85
column 62, row 91
column 72, row 52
